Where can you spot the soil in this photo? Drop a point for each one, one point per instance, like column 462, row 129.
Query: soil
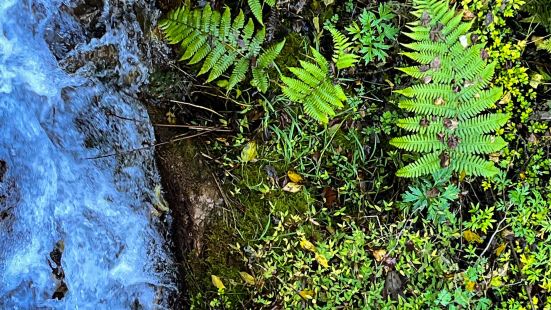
column 191, row 192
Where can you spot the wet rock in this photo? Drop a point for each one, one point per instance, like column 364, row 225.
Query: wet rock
column 104, row 57
column 3, row 169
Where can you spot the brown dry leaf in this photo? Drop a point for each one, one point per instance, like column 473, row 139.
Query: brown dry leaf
column 247, row 278
column 322, row 260
column 294, row 177
column 501, row 248
column 292, row 187
column 330, row 196
column 379, row 254
column 217, row 282
column 306, row 294
column 468, row 15
column 439, row 101
column 471, row 236
column 307, row 245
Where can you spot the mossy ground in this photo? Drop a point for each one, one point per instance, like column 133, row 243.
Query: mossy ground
column 348, row 169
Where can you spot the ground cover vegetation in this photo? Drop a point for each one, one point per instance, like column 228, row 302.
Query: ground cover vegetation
column 390, row 155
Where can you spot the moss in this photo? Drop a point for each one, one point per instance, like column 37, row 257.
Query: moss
column 289, row 56
column 243, row 223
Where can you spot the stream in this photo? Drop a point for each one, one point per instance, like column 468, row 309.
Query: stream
column 77, row 172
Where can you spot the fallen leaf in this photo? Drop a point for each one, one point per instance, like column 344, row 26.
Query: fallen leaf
column 330, row 196
column 294, row 177
column 471, row 236
column 307, row 245
column 292, row 187
column 249, row 152
column 379, row 254
column 468, row 15
column 306, row 294
column 170, row 117
column 506, row 98
column 501, row 248
column 247, row 278
column 536, row 80
column 322, row 260
column 439, row 101
column 217, row 282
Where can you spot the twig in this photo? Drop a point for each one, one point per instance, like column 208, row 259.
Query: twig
column 494, row 235
column 193, row 127
column 196, row 106
column 180, row 138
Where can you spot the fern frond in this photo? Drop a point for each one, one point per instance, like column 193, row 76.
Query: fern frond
column 418, row 143
column 268, row 56
column 427, row 164
column 473, row 165
column 313, row 87
column 449, row 128
column 341, row 56
column 481, row 145
column 212, row 38
column 256, row 9
column 482, row 124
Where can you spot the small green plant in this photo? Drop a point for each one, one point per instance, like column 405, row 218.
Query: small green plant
column 341, row 56
column 299, row 272
column 314, row 88
column 435, row 196
column 373, row 34
column 212, row 38
column 449, row 128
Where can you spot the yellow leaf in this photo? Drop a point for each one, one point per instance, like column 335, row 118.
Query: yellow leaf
column 247, row 278
column 170, row 117
column 292, row 187
column 316, row 22
column 217, row 282
column 496, row 282
column 307, row 245
column 222, row 83
column 294, row 177
column 306, row 294
column 379, row 254
column 506, row 98
column 462, row 175
column 536, row 80
column 470, row 286
column 500, row 249
column 249, row 152
column 471, row 236
column 322, row 260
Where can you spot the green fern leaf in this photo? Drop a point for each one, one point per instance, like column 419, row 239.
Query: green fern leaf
column 268, row 57
column 212, row 38
column 313, row 87
column 449, row 128
column 256, row 9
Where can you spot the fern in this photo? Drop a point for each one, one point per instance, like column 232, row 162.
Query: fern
column 256, row 8
column 341, row 57
column 544, row 45
column 314, row 88
column 449, row 129
column 212, row 38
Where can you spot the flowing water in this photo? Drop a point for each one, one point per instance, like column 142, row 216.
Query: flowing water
column 77, row 229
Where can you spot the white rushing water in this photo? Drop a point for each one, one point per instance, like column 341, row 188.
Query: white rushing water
column 97, row 211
